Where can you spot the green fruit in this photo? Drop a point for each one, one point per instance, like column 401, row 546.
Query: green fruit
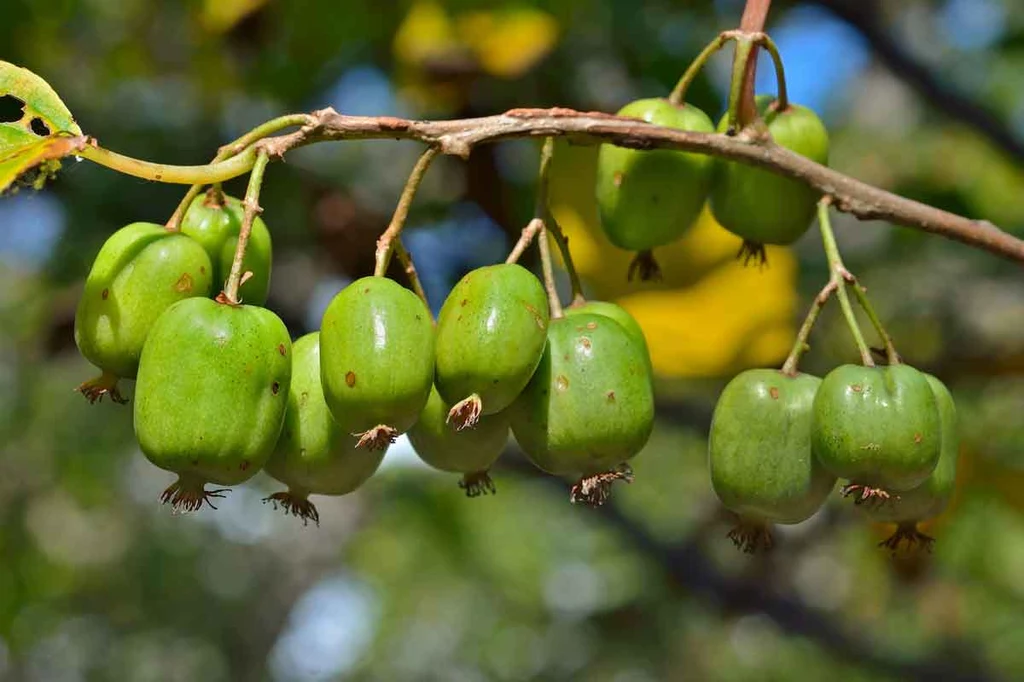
column 376, row 359
column 141, row 270
column 471, row 452
column 589, row 406
column 759, row 453
column 764, row 207
column 617, row 313
column 211, row 395
column 214, row 221
column 650, row 198
column 929, row 499
column 879, row 427
column 490, row 336
column 314, row 454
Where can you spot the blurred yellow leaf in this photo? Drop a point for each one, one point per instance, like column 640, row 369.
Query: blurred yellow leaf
column 426, row 34
column 218, row 16
column 507, row 43
column 709, row 315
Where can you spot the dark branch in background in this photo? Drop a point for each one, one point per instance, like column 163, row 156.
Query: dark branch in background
column 688, row 567
column 863, row 16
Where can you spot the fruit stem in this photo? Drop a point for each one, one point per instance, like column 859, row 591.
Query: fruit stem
column 859, row 291
column 800, row 346
column 525, row 238
column 543, row 211
column 782, row 97
column 739, row 117
column 252, row 207
column 678, row 95
column 180, row 175
column 231, row 149
column 385, row 245
column 549, row 275
column 405, row 259
column 842, row 277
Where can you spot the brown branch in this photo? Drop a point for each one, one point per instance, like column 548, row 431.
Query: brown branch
column 755, row 14
column 458, row 137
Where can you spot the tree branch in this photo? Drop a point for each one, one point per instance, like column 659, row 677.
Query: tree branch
column 458, row 137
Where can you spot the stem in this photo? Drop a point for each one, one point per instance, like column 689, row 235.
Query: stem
column 180, row 175
column 842, row 277
column 755, row 14
column 563, row 246
column 678, row 95
column 174, row 222
column 862, row 298
column 738, row 118
column 549, row 275
column 232, row 148
column 800, row 346
column 405, row 258
column 252, row 207
column 385, row 245
column 525, row 237
column 261, row 131
column 543, row 211
column 782, row 98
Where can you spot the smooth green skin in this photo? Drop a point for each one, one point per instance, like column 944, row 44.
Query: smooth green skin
column 216, row 228
column 139, row 272
column 376, row 355
column 764, row 207
column 877, row 426
column 650, row 198
column 590, row 405
column 212, row 389
column 759, row 448
column 440, row 445
column 617, row 313
column 490, row 335
column 314, row 454
column 929, row 499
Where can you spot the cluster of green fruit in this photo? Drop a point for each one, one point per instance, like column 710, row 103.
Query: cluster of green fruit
column 222, row 393
column 648, row 199
column 779, row 442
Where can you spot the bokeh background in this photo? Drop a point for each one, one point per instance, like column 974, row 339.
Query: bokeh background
column 406, row 579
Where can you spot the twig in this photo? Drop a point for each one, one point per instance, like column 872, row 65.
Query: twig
column 800, row 346
column 543, row 211
column 227, row 151
column 385, row 245
column 525, row 238
column 842, row 278
column 755, row 14
column 405, row 258
column 459, row 136
column 252, row 207
column 549, row 275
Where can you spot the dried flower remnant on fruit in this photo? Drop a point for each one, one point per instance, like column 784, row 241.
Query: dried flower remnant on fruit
column 298, row 506
column 477, row 483
column 594, row 490
column 752, row 537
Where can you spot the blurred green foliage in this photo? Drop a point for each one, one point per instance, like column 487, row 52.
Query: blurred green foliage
column 406, row 579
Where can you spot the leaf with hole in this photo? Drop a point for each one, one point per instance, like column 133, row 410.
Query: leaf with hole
column 33, row 140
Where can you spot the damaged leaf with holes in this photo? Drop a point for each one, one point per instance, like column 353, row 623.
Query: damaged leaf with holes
column 36, row 129
column 211, row 395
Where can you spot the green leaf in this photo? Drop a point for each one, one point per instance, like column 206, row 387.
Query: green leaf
column 26, row 157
